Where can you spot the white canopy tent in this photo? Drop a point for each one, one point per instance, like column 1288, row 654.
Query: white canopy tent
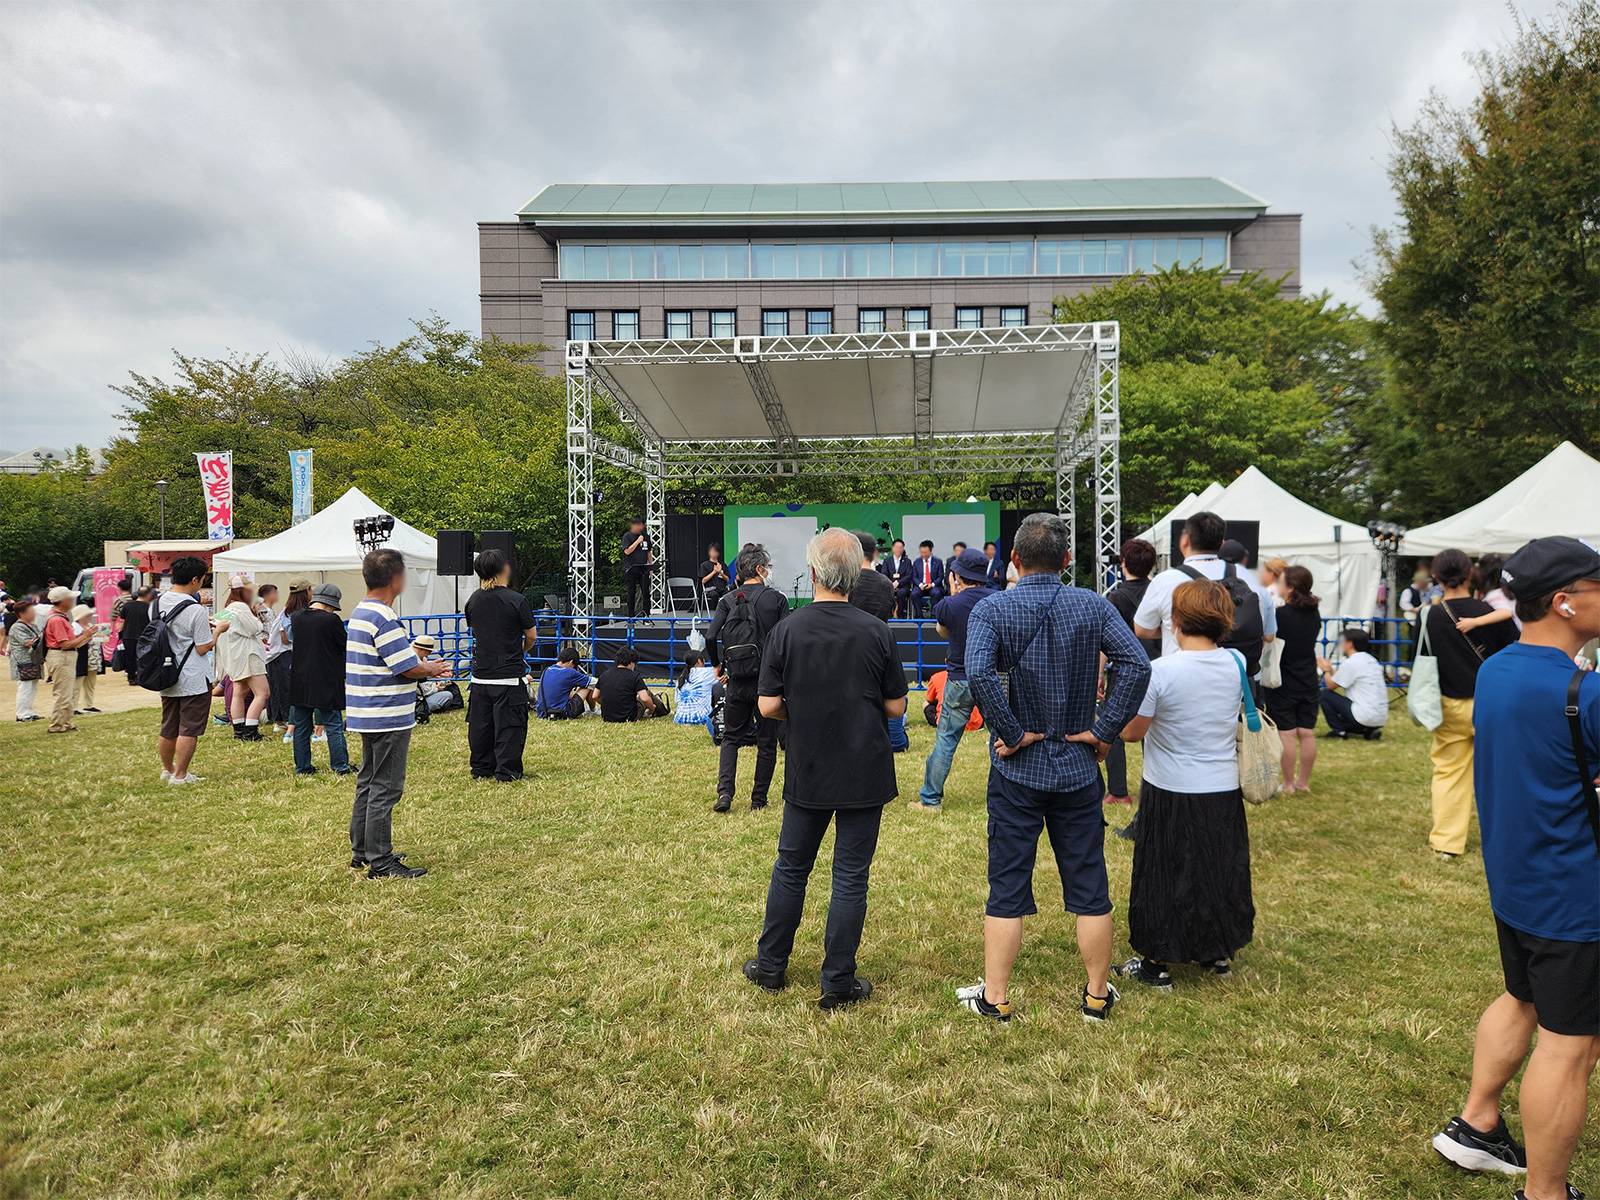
column 1159, row 535
column 1559, row 494
column 323, row 548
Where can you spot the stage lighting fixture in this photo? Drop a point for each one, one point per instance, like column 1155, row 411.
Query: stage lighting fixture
column 373, row 532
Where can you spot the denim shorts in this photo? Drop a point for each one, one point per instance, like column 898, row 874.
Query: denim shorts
column 1017, row 815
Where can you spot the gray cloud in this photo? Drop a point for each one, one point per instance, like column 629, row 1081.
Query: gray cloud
column 256, row 176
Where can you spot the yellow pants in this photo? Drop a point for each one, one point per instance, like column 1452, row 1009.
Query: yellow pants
column 62, row 668
column 1452, row 777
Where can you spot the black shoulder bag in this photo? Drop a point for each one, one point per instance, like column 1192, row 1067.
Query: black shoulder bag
column 1575, row 728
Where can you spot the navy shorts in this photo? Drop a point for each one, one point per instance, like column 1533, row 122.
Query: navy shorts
column 1017, row 815
column 1560, row 979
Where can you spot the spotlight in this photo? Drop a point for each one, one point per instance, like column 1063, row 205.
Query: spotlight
column 373, row 532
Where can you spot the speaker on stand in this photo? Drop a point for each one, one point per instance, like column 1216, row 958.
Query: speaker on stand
column 455, row 557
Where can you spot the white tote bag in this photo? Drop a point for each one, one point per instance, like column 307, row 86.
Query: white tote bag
column 1259, row 750
column 1422, row 694
column 1272, row 664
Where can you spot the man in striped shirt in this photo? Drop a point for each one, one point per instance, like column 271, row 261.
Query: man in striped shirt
column 380, row 670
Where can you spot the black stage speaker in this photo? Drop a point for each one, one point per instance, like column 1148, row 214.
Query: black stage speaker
column 499, row 539
column 455, row 552
column 1246, row 533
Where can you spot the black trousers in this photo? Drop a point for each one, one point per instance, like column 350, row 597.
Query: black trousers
column 1338, row 712
column 740, row 717
column 855, row 842
column 497, row 730
column 636, row 582
column 902, row 603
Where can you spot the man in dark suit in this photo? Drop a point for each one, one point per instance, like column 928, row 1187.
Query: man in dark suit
column 927, row 581
column 996, row 569
column 897, row 568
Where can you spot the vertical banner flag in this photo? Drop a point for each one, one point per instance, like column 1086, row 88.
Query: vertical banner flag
column 216, row 488
column 300, row 477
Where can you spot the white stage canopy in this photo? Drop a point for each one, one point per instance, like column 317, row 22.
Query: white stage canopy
column 1559, row 494
column 323, row 548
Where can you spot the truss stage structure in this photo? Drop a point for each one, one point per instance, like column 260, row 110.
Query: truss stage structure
column 1021, row 400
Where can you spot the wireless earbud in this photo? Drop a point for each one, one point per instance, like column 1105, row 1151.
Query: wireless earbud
column 1567, row 609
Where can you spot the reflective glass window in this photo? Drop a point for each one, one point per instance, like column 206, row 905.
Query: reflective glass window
column 969, row 318
column 774, row 322
column 870, row 320
column 974, row 258
column 580, row 326
column 916, row 318
column 666, row 262
column 1014, row 314
column 619, row 263
column 1094, row 257
column 739, row 261
column 1045, row 258
column 594, row 262
column 832, row 261
column 819, row 320
column 679, row 324
column 1216, row 252
column 1190, row 251
column 1117, row 256
column 714, row 260
column 571, row 261
column 1069, row 258
column 761, row 264
column 808, row 256
column 722, row 323
column 1144, row 254
column 785, row 262
column 1021, row 259
column 689, row 262
column 644, row 262
column 625, row 326
column 950, row 258
column 1166, row 252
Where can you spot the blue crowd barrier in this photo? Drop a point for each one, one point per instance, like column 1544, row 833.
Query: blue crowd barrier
column 661, row 642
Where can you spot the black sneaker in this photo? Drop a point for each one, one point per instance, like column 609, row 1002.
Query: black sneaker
column 1473, row 1150
column 723, row 804
column 1373, row 735
column 396, row 870
column 762, row 979
column 1091, row 1013
column 974, row 1001
column 1151, row 974
column 859, row 991
column 1129, row 831
column 757, row 805
column 1222, row 968
column 1337, row 733
column 360, row 864
column 1572, row 1194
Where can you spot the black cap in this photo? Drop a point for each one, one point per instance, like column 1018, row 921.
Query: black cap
column 1547, row 564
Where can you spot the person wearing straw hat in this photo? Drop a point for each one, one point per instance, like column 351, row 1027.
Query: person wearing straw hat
column 62, row 640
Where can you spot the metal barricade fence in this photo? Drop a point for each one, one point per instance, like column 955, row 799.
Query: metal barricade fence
column 662, row 642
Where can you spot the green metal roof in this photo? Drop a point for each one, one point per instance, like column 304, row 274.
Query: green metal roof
column 646, row 203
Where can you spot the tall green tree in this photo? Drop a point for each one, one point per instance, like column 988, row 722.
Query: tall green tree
column 1490, row 284
column 51, row 525
column 1217, row 375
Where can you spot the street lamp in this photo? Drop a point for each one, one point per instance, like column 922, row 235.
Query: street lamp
column 161, row 493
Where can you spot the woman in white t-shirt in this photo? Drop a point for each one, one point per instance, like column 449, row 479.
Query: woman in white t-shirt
column 1190, row 897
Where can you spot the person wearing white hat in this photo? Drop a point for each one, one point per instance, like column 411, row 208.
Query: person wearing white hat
column 62, row 639
column 241, row 657
column 87, row 666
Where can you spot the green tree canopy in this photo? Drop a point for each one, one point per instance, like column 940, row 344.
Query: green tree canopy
column 1490, row 285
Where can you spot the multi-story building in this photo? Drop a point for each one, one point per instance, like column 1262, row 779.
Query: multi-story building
column 588, row 261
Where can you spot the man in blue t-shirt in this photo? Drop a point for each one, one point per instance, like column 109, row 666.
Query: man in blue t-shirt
column 969, row 583
column 1532, row 712
column 565, row 690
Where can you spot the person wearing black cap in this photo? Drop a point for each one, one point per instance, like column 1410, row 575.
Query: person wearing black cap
column 1537, row 720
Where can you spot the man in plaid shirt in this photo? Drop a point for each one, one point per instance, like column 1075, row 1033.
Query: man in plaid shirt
column 1047, row 640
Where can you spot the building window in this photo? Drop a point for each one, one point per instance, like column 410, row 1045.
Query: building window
column 819, row 320
column 870, row 320
column 969, row 318
column 625, row 325
column 774, row 322
column 722, row 323
column 580, row 326
column 917, row 318
column 679, row 324
column 1014, row 314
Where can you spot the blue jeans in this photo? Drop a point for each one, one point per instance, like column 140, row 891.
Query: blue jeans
column 898, row 739
column 332, row 720
column 954, row 712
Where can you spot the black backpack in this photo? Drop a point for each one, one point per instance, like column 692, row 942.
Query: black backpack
column 1248, row 635
column 742, row 639
column 155, row 668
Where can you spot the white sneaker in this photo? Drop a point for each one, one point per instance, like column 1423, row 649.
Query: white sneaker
column 180, row 780
column 288, row 737
column 319, row 737
column 166, row 775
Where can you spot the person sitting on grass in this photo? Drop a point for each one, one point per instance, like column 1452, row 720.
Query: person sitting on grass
column 566, row 691
column 433, row 695
column 1537, row 719
column 1363, row 708
column 695, row 682
column 623, row 694
column 1190, row 894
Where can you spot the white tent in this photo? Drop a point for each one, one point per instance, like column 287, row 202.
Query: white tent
column 323, row 549
column 1559, row 494
column 1159, row 535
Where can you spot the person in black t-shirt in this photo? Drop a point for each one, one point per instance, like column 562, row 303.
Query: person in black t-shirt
column 623, row 693
column 713, row 576
column 1293, row 704
column 872, row 593
column 831, row 671
column 1138, row 560
column 502, row 633
column 742, row 724
column 638, row 554
column 1459, row 654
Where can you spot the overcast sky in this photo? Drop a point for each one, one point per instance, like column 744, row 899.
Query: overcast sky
column 254, row 176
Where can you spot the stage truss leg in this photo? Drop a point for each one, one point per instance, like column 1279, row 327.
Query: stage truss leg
column 1107, row 454
column 1067, row 501
column 580, row 490
column 655, row 523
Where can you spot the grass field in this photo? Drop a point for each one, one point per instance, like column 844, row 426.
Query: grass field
column 198, row 998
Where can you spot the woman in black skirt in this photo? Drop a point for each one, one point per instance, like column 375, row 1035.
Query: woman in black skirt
column 1190, row 899
column 1293, row 705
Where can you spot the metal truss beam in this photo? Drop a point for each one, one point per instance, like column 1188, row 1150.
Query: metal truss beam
column 580, row 489
column 623, row 403
column 771, row 404
column 922, row 404
column 655, row 523
column 1107, row 451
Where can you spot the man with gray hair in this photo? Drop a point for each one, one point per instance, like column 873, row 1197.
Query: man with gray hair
column 832, row 673
column 1046, row 640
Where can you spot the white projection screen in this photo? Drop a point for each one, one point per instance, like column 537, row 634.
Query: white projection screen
column 785, row 539
column 943, row 530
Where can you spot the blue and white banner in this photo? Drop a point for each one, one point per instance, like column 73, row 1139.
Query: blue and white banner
column 300, row 476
